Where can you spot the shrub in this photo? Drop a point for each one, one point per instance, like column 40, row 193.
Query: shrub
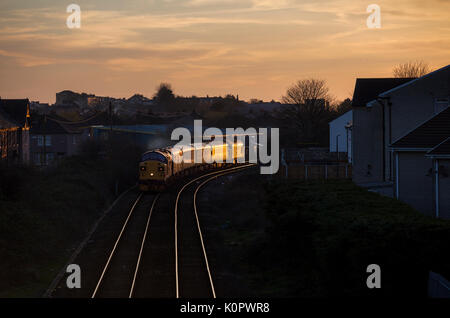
column 323, row 235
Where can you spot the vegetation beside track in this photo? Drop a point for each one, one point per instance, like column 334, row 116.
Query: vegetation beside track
column 316, row 239
column 45, row 214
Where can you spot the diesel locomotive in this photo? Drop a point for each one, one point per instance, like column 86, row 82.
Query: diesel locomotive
column 159, row 167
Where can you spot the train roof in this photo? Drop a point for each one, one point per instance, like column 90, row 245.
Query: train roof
column 171, row 150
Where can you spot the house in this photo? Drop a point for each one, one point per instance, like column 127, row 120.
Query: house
column 14, row 130
column 407, row 106
column 390, row 115
column 367, row 128
column 341, row 134
column 71, row 98
column 256, row 109
column 52, row 139
column 41, row 108
column 399, row 138
column 441, row 157
column 422, row 164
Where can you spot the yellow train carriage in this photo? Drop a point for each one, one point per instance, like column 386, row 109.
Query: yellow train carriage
column 219, row 154
column 238, row 152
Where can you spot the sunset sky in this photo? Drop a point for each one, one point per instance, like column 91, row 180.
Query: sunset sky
column 254, row 48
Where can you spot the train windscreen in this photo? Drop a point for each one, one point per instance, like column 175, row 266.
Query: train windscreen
column 154, row 156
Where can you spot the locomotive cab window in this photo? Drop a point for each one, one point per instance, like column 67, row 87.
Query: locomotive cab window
column 154, row 156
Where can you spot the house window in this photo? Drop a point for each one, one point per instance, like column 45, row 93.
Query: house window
column 39, row 159
column 48, row 140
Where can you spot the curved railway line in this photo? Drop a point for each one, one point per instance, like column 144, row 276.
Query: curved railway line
column 141, row 261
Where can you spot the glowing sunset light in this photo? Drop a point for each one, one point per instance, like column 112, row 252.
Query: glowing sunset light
column 254, row 48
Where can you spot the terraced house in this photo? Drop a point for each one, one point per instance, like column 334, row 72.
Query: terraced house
column 392, row 144
column 14, row 131
column 422, row 166
column 51, row 140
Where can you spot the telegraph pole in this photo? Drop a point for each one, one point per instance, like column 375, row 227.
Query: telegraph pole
column 110, row 128
column 111, row 143
column 110, row 116
column 44, row 159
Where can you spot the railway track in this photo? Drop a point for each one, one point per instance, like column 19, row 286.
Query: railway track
column 192, row 270
column 151, row 240
column 121, row 265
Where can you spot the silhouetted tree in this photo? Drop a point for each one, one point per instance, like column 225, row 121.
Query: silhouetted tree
column 344, row 106
column 164, row 94
column 411, row 69
column 309, row 109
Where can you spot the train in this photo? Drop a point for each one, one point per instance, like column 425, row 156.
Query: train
column 158, row 168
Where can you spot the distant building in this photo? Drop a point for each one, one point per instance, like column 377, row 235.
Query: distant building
column 99, row 102
column 41, row 108
column 260, row 108
column 71, row 98
column 14, row 130
column 51, row 140
column 140, row 100
column 341, row 134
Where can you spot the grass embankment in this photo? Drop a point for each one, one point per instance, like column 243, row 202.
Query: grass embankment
column 319, row 237
column 45, row 214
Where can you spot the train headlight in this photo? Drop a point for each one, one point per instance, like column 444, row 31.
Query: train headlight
column 142, row 168
column 151, row 174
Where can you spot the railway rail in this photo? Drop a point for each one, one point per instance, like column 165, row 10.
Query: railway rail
column 192, row 256
column 139, row 262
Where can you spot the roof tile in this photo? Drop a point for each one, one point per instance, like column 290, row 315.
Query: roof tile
column 429, row 134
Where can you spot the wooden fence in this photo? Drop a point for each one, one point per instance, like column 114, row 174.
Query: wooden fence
column 315, row 172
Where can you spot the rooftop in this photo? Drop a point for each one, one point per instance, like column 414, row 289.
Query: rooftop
column 41, row 125
column 429, row 134
column 442, row 149
column 368, row 89
column 426, row 76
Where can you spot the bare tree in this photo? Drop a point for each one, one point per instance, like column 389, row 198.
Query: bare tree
column 310, row 108
column 411, row 69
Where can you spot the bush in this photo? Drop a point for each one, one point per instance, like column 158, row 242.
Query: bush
column 46, row 213
column 323, row 235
